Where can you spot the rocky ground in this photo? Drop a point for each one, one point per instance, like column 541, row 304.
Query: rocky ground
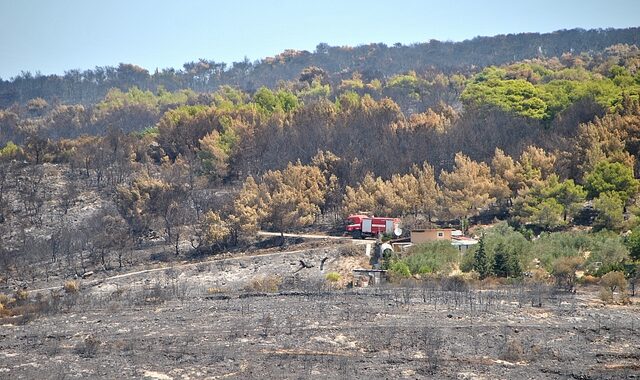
column 265, row 317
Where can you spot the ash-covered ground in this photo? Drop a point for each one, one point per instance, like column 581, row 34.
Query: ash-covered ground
column 200, row 322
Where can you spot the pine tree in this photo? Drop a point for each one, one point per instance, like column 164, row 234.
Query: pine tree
column 500, row 261
column 515, row 269
column 480, row 261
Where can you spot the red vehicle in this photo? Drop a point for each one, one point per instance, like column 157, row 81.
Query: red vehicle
column 361, row 226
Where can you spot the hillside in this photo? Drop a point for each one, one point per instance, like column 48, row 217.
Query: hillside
column 374, row 60
column 133, row 211
column 528, row 142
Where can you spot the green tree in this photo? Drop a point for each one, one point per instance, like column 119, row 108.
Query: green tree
column 610, row 208
column 549, row 203
column 501, row 262
column 481, row 262
column 633, row 243
column 547, row 214
column 216, row 149
column 505, row 261
column 613, row 177
column 570, row 196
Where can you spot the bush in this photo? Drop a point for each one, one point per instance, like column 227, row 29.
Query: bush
column 400, row 269
column 4, row 299
column 333, row 277
column 564, row 271
column 606, row 295
column 71, row 286
column 611, row 282
column 431, row 257
column 538, row 276
column 267, row 284
column 21, row 295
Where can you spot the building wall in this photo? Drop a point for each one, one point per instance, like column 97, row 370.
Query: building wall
column 421, row 236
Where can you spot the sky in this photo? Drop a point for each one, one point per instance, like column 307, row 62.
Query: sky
column 52, row 36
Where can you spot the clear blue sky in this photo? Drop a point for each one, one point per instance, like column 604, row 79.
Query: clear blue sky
column 57, row 35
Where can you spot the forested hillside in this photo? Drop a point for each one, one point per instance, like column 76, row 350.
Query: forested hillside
column 373, row 61
column 542, row 131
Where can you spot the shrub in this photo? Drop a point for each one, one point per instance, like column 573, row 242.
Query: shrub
column 268, row 284
column 606, row 295
column 4, row 299
column 431, row 257
column 400, row 269
column 21, row 295
column 538, row 276
column 564, row 270
column 613, row 281
column 333, row 277
column 71, row 286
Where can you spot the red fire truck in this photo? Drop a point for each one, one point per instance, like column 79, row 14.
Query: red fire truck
column 361, row 226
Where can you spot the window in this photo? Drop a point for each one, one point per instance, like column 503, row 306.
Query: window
column 440, row 234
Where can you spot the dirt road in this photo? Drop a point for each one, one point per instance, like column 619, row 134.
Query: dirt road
column 178, row 266
column 304, row 236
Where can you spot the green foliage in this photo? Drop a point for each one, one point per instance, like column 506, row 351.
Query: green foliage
column 533, row 91
column 610, row 209
column 633, row 243
column 316, row 90
column 607, row 248
column 570, row 196
column 228, row 98
column 333, row 277
column 519, row 96
column 611, row 177
column 151, row 132
column 163, row 99
column 409, row 85
column 505, row 262
column 432, row 257
column 481, row 263
column 549, row 204
column 216, row 148
column 604, row 247
column 348, row 100
column 9, row 151
column 400, row 268
column 501, row 251
column 270, row 102
column 547, row 214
